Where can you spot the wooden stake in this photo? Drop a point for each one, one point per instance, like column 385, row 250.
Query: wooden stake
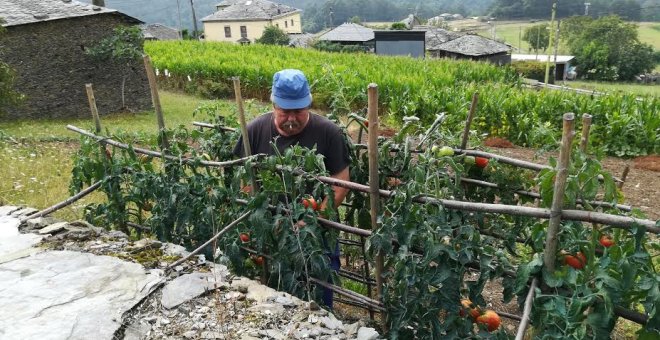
column 241, row 116
column 624, row 176
column 527, row 310
column 220, row 233
column 155, row 98
column 93, row 108
column 468, row 121
column 586, row 126
column 374, row 193
column 558, row 196
column 64, row 203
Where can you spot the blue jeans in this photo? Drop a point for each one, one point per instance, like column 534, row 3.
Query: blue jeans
column 334, row 264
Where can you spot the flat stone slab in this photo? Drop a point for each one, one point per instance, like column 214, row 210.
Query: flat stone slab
column 8, row 209
column 14, row 245
column 69, row 295
column 190, row 286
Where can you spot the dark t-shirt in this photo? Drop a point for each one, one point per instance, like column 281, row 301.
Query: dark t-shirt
column 319, row 132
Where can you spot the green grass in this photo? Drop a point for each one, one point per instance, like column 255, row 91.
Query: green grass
column 649, row 32
column 36, row 156
column 638, row 89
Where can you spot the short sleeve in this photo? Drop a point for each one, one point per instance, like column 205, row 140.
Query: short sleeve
column 337, row 156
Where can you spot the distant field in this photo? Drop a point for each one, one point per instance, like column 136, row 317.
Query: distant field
column 509, row 31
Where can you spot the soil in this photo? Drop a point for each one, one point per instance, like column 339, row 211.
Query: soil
column 641, row 188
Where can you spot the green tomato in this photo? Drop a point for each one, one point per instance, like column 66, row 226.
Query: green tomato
column 434, row 149
column 469, row 160
column 445, row 151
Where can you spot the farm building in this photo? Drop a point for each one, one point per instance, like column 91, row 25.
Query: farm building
column 405, row 43
column 45, row 44
column 349, row 34
column 473, row 47
column 563, row 62
column 244, row 21
column 159, row 32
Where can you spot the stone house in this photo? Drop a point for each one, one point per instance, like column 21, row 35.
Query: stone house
column 244, row 21
column 159, row 32
column 45, row 44
column 350, row 34
column 468, row 46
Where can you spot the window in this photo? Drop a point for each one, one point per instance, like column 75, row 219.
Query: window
column 291, row 22
column 227, row 32
column 286, row 23
column 243, row 31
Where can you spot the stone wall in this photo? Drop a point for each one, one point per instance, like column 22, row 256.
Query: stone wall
column 52, row 69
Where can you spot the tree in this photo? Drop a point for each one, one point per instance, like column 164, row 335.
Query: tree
column 537, row 36
column 607, row 48
column 8, row 96
column 273, row 36
column 124, row 46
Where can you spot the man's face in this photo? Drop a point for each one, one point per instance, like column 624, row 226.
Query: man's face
column 290, row 122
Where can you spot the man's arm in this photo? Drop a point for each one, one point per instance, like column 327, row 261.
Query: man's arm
column 340, row 193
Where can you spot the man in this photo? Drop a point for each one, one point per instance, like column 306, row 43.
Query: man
column 291, row 123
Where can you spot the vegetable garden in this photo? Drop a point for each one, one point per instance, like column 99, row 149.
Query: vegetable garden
column 424, row 210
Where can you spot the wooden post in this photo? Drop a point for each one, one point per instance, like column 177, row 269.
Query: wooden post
column 156, row 101
column 92, row 107
column 586, row 126
column 64, row 203
column 624, row 176
column 527, row 310
column 374, row 190
column 241, row 116
column 468, row 121
column 558, row 196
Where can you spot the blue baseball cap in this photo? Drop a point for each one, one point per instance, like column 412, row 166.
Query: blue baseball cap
column 290, row 90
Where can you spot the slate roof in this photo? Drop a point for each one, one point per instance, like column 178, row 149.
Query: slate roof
column 21, row 12
column 159, row 32
column 301, row 39
column 438, row 36
column 472, row 45
column 349, row 32
column 250, row 10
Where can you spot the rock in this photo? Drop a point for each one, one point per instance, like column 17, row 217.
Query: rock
column 185, row 288
column 212, row 335
column 283, row 300
column 53, row 228
column 13, row 244
column 171, row 249
column 6, row 210
column 68, row 295
column 144, row 244
column 267, row 308
column 313, row 306
column 367, row 333
column 39, row 223
column 352, row 329
column 117, row 235
column 137, row 330
column 331, row 322
column 23, row 212
column 190, row 334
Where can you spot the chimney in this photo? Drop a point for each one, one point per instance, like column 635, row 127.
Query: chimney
column 100, row 3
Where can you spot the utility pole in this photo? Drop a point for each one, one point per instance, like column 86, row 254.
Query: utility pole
column 586, row 8
column 192, row 7
column 552, row 37
column 178, row 12
column 100, row 3
column 556, row 48
column 519, row 39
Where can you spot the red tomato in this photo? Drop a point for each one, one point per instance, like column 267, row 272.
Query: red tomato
column 244, row 237
column 469, row 306
column 490, row 319
column 259, row 260
column 366, row 123
column 310, row 202
column 606, row 241
column 578, row 261
column 481, row 162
